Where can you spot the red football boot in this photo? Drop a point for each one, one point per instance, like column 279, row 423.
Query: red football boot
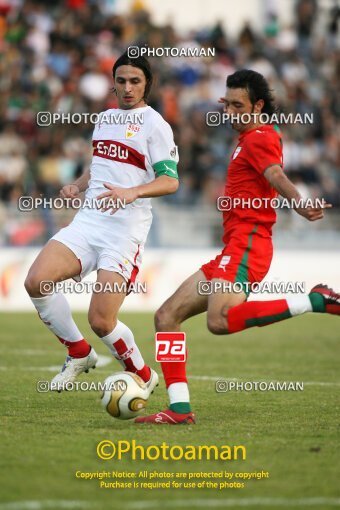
column 168, row 417
column 331, row 298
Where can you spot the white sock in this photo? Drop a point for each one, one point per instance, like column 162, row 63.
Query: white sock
column 178, row 392
column 299, row 304
column 122, row 344
column 55, row 312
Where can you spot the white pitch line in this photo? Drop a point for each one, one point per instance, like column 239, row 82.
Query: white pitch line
column 223, row 503
column 32, row 352
column 103, row 361
column 44, row 505
column 319, row 383
column 220, row 378
column 191, row 503
column 209, row 378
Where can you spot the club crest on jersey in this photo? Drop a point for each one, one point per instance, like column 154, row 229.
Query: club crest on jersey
column 237, row 152
column 224, row 261
column 131, row 130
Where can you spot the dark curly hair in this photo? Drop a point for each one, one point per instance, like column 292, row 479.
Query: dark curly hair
column 256, row 86
column 140, row 62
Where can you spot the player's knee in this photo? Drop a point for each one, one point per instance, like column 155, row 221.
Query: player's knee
column 32, row 285
column 216, row 326
column 101, row 325
column 160, row 318
column 163, row 319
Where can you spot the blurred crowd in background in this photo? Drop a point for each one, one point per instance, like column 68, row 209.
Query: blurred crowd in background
column 57, row 56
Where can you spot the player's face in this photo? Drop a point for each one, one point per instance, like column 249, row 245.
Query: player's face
column 130, row 87
column 236, row 103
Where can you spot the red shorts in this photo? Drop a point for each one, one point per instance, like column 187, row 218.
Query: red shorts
column 245, row 258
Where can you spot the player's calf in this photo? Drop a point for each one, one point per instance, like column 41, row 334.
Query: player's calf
column 219, row 303
column 121, row 342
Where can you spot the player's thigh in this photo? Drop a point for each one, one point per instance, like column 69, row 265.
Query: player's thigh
column 107, row 298
column 219, row 302
column 56, row 262
column 184, row 303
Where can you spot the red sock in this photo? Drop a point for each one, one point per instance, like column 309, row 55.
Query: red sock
column 256, row 313
column 144, row 373
column 78, row 349
column 174, row 371
column 125, row 355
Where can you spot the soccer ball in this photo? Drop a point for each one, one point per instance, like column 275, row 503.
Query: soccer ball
column 124, row 396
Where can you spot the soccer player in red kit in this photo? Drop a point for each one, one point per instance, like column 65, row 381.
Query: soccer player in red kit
column 255, row 173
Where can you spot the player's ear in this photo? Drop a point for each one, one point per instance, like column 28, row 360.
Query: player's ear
column 258, row 106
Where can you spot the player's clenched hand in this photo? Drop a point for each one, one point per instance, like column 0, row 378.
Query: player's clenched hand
column 69, row 191
column 115, row 197
column 313, row 213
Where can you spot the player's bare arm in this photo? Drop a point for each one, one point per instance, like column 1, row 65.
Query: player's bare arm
column 73, row 190
column 162, row 185
column 286, row 188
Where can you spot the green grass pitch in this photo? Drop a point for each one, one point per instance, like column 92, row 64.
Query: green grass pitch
column 47, row 437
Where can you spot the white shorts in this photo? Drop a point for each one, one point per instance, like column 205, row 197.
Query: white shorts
column 96, row 249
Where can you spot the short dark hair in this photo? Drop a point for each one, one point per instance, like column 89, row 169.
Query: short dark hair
column 140, row 62
column 257, row 87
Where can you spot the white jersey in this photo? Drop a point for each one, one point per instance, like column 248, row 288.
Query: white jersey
column 125, row 154
column 130, row 151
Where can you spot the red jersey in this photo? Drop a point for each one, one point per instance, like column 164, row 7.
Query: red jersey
column 256, row 150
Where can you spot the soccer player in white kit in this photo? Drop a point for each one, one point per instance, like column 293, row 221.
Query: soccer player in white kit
column 132, row 162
